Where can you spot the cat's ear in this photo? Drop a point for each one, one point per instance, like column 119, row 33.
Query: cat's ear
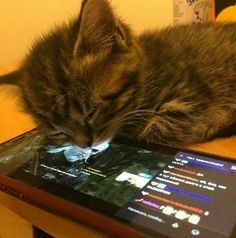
column 99, row 27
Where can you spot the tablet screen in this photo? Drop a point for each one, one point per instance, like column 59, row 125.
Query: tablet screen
column 165, row 191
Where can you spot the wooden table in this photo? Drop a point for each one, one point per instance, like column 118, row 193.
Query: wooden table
column 14, row 122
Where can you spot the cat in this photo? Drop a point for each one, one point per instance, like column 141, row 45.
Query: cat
column 93, row 80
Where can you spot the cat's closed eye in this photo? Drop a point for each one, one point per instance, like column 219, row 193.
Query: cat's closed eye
column 59, row 136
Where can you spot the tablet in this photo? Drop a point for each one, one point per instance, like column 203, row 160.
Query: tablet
column 124, row 190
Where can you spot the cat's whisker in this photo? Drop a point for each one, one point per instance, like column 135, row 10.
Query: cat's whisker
column 140, row 113
column 128, row 121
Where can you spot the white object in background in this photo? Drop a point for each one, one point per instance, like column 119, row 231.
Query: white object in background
column 193, row 11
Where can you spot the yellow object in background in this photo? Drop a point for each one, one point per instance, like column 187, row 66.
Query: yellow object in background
column 227, row 15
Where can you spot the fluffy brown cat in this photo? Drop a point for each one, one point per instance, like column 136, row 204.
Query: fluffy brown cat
column 93, row 79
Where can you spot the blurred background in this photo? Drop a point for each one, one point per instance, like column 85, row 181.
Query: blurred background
column 23, row 21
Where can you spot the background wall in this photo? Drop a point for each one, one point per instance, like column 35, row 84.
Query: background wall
column 23, row 21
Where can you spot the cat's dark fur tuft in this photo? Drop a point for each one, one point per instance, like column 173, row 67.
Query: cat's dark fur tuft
column 10, row 78
column 93, row 79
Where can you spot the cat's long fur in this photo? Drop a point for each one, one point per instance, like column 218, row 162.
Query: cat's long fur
column 93, row 79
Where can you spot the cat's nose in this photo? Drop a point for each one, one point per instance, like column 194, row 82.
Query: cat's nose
column 84, row 145
column 83, row 140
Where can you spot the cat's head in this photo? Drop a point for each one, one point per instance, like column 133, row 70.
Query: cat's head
column 83, row 81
